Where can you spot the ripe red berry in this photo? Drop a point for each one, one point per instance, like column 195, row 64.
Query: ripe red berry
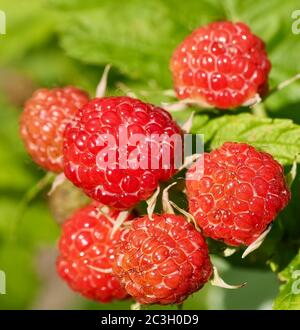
column 87, row 252
column 222, row 64
column 241, row 192
column 162, row 260
column 95, row 127
column 43, row 122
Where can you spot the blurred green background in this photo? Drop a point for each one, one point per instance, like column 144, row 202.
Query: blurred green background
column 57, row 42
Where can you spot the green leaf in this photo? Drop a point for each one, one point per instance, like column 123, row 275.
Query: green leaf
column 21, row 280
column 209, row 127
column 36, row 226
column 289, row 295
column 130, row 37
column 279, row 137
column 30, row 24
column 136, row 37
column 49, row 66
column 17, row 172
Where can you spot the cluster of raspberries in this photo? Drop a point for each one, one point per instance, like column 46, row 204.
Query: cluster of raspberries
column 161, row 258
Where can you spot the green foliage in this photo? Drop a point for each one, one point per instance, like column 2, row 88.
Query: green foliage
column 289, row 296
column 279, row 137
column 36, row 228
column 130, row 37
column 21, row 279
column 15, row 172
column 139, row 42
column 30, row 24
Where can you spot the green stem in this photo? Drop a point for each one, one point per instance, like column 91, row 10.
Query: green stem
column 180, row 307
column 230, row 11
column 290, row 177
column 259, row 110
column 283, row 85
column 29, row 196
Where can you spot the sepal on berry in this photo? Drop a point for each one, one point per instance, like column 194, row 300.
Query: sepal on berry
column 257, row 243
column 219, row 282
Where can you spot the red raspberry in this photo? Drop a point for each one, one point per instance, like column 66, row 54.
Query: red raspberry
column 241, row 192
column 86, row 242
column 43, row 121
column 88, row 134
column 222, row 64
column 162, row 260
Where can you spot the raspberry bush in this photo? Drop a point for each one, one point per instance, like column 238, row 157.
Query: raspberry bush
column 116, row 238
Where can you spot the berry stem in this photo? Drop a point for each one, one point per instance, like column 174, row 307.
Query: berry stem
column 290, row 177
column 188, row 216
column 186, row 127
column 166, row 203
column 259, row 110
column 126, row 90
column 59, row 180
column 219, row 282
column 29, row 196
column 101, row 88
column 122, row 217
column 136, row 306
column 229, row 251
column 151, row 202
column 287, row 82
column 180, row 307
column 230, row 11
column 283, row 85
column 176, row 106
column 257, row 243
